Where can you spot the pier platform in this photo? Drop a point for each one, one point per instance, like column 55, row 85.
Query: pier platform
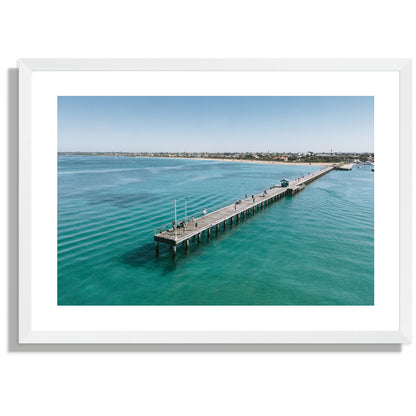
column 347, row 166
column 232, row 213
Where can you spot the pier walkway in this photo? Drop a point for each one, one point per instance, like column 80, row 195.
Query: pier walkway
column 232, row 213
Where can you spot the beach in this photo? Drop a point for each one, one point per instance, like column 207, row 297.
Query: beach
column 264, row 162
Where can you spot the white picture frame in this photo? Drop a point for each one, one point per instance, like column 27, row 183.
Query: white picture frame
column 29, row 333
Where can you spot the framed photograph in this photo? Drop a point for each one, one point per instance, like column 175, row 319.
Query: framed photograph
column 214, row 201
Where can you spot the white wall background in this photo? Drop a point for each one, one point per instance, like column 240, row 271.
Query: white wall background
column 270, row 380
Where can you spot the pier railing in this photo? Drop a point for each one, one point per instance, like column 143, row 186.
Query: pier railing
column 180, row 229
column 183, row 231
column 198, row 213
column 191, row 217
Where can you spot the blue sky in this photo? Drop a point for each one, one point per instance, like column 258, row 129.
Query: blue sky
column 216, row 124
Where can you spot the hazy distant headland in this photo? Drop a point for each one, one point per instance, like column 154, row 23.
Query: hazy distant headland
column 259, row 157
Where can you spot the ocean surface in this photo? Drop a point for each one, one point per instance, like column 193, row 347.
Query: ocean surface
column 315, row 248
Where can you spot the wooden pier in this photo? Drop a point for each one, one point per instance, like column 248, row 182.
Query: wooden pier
column 232, row 213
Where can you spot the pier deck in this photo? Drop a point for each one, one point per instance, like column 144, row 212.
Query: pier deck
column 234, row 212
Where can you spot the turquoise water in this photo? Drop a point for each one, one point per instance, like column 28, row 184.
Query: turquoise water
column 316, row 248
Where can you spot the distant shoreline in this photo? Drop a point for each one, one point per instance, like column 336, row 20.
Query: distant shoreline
column 264, row 162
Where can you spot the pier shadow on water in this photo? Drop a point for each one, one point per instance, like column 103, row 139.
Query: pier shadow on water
column 139, row 256
column 145, row 255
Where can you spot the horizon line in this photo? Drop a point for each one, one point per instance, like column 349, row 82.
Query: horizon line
column 202, row 152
